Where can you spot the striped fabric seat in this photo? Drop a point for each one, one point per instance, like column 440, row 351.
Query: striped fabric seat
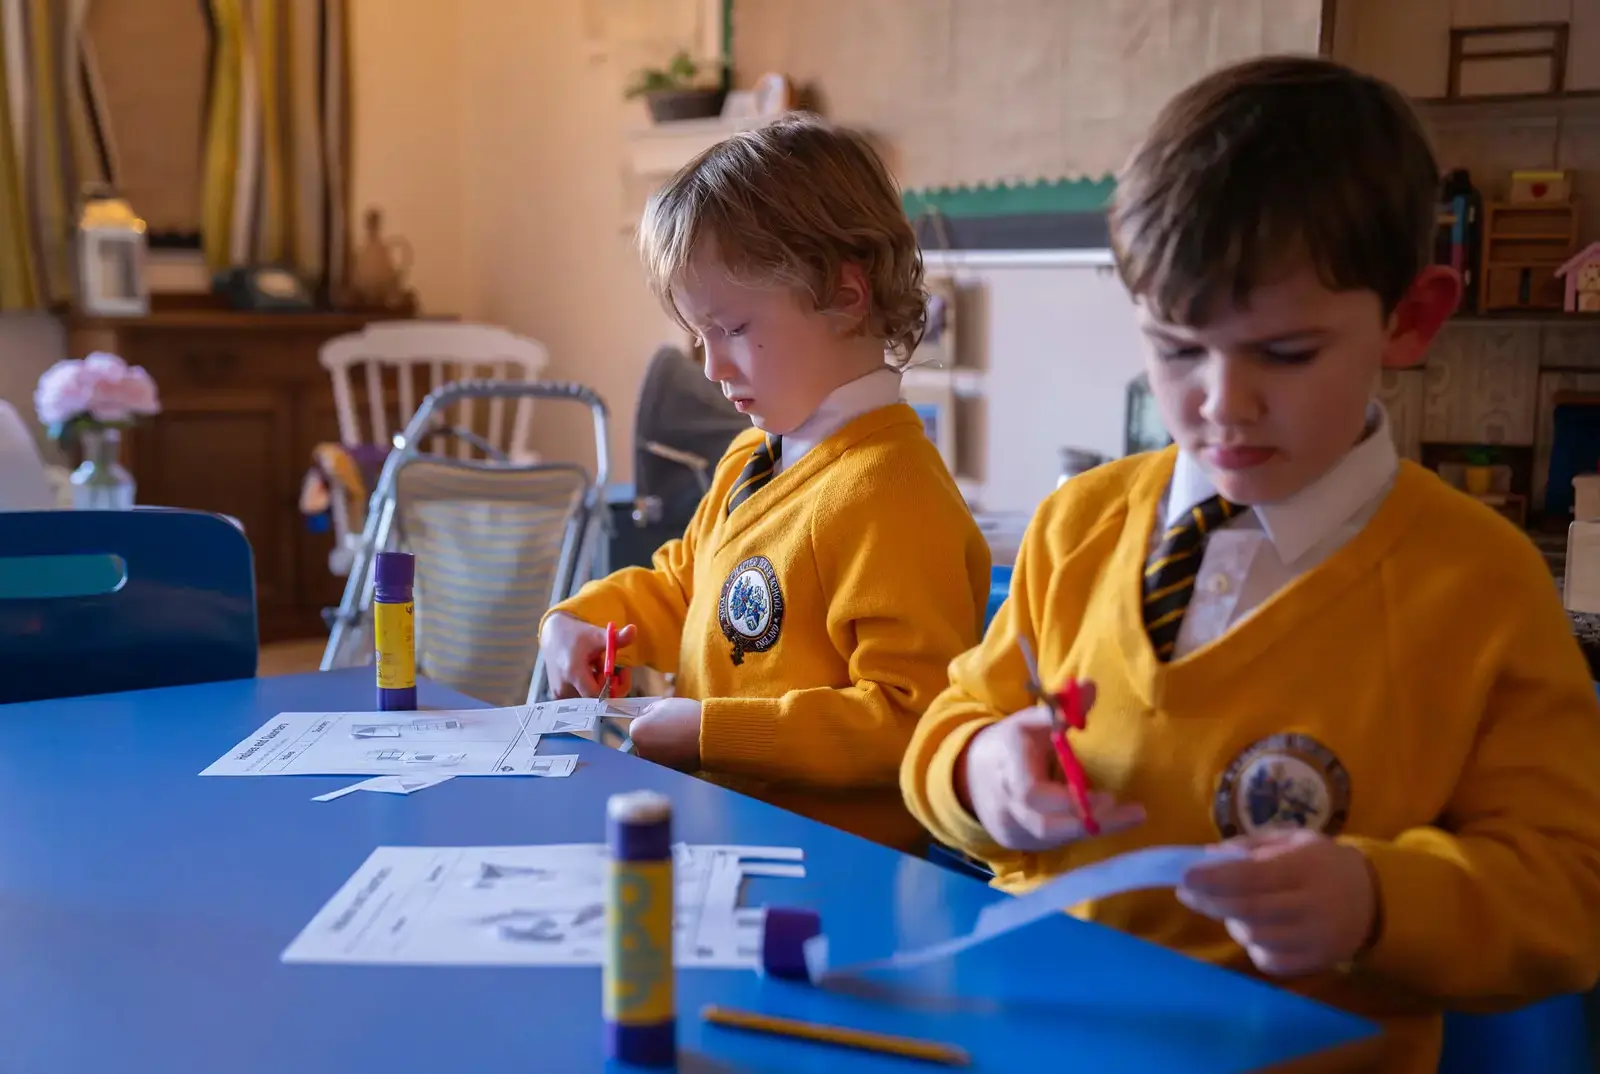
column 492, row 545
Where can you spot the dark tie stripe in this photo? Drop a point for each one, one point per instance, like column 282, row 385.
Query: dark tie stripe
column 1170, row 572
column 757, row 472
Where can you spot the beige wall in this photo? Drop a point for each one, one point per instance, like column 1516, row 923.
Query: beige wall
column 543, row 124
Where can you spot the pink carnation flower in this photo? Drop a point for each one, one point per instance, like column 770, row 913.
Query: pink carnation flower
column 102, row 387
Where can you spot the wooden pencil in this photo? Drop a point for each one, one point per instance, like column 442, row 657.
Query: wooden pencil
column 865, row 1040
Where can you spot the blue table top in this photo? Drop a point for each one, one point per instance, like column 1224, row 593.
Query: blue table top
column 144, row 909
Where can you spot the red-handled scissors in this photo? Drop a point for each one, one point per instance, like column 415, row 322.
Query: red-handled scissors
column 610, row 676
column 1066, row 710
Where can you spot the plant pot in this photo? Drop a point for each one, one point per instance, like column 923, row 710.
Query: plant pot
column 1478, row 479
column 669, row 105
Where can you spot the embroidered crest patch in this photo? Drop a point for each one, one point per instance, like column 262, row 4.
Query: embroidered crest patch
column 750, row 609
column 1282, row 781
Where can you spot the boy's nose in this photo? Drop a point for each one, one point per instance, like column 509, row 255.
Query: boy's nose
column 1231, row 396
column 717, row 366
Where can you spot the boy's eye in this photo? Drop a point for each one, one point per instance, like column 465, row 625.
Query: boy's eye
column 1299, row 356
column 739, row 331
column 1182, row 353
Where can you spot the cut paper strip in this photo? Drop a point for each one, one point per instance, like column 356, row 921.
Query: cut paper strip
column 782, row 869
column 1152, row 867
column 385, row 785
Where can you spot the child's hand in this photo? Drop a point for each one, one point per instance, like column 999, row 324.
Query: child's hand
column 574, row 654
column 1298, row 902
column 1007, row 778
column 668, row 733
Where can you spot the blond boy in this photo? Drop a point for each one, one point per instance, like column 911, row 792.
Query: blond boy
column 833, row 570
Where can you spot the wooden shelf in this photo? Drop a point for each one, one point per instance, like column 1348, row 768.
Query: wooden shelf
column 662, row 148
column 1544, row 107
column 1528, row 317
column 963, row 383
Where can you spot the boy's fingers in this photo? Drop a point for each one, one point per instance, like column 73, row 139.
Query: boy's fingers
column 625, row 636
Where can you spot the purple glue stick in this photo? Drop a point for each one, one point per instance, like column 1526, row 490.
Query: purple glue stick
column 393, row 631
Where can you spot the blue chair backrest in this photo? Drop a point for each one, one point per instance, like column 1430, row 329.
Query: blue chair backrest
column 999, row 589
column 99, row 601
column 1548, row 1037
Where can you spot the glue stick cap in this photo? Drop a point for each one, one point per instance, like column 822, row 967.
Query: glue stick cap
column 783, row 940
column 393, row 575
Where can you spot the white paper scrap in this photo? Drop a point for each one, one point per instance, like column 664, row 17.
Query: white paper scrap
column 1151, row 867
column 386, row 785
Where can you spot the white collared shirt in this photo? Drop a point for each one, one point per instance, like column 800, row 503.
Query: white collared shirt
column 844, row 404
column 1262, row 550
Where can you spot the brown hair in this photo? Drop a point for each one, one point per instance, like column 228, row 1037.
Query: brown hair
column 789, row 204
column 1267, row 160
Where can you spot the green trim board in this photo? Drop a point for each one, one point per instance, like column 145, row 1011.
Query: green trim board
column 1082, row 195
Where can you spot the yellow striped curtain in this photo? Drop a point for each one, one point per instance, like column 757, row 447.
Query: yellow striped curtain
column 50, row 146
column 275, row 159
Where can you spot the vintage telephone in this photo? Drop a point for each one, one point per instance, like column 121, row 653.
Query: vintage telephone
column 263, row 287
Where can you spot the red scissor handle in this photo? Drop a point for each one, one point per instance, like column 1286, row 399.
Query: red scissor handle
column 609, row 670
column 1069, row 704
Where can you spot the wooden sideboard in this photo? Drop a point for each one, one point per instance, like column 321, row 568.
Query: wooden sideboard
column 243, row 402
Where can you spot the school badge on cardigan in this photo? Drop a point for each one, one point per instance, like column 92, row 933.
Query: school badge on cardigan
column 1282, row 781
column 751, row 607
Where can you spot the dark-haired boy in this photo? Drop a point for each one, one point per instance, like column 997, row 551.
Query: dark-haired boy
column 1297, row 643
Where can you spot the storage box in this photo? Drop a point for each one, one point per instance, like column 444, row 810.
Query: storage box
column 1540, row 187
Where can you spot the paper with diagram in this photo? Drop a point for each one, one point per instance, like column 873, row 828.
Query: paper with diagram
column 465, row 742
column 530, row 906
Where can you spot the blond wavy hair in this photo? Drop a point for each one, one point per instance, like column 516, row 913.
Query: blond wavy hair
column 789, row 204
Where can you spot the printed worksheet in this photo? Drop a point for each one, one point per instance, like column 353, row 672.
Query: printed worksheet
column 531, row 906
column 466, row 742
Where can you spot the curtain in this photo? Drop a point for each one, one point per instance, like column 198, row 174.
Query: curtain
column 275, row 162
column 51, row 144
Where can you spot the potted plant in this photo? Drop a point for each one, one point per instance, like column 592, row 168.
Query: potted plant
column 1480, row 469
column 679, row 90
column 90, row 401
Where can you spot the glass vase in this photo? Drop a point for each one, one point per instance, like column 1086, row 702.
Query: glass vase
column 101, row 483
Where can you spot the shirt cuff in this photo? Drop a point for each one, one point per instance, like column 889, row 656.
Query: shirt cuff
column 738, row 734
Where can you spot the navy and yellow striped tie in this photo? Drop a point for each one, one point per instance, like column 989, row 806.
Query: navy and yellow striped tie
column 1170, row 573
column 757, row 472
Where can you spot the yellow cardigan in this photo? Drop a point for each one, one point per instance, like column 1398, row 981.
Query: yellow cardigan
column 1419, row 695
column 847, row 585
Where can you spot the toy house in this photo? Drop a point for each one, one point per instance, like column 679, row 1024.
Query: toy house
column 1582, row 273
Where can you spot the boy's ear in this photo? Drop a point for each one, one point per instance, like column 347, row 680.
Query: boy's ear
column 852, row 298
column 1433, row 297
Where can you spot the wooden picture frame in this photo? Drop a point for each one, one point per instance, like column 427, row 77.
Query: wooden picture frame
column 939, row 335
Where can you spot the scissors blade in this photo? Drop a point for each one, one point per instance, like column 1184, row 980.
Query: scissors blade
column 1027, row 658
column 1049, row 701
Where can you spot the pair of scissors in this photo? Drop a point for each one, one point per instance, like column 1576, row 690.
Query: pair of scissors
column 610, row 676
column 1066, row 711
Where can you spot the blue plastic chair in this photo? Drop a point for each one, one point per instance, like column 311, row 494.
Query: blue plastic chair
column 99, row 601
column 1549, row 1037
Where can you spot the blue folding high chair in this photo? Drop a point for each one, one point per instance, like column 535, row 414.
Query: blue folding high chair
column 100, row 601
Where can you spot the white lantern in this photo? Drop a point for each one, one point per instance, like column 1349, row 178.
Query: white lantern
column 112, row 252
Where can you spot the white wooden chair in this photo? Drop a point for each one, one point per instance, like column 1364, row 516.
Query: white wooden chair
column 382, row 373
column 25, row 481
